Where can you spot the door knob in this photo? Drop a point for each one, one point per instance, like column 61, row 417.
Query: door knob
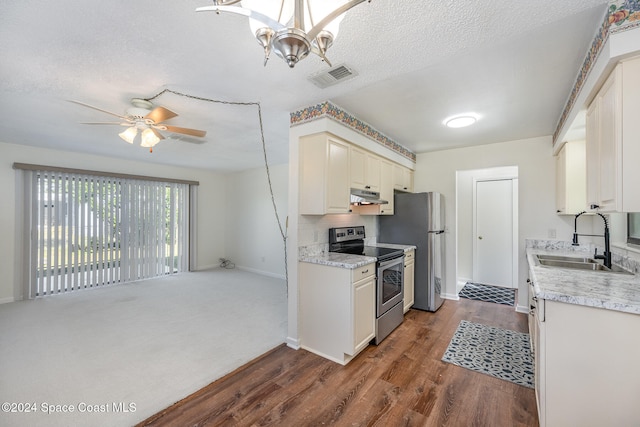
column 480, row 237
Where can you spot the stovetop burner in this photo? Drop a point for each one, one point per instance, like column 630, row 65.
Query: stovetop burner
column 350, row 240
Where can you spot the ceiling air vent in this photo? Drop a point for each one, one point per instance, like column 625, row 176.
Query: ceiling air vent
column 333, row 75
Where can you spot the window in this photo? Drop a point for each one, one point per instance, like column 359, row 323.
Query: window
column 633, row 228
column 93, row 230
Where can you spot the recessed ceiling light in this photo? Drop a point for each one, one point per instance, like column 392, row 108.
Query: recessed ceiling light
column 461, row 120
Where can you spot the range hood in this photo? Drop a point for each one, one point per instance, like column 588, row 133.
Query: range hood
column 366, row 197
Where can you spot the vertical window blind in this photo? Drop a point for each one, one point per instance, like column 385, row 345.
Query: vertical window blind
column 89, row 231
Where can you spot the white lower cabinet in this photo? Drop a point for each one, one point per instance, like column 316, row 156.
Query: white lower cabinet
column 586, row 368
column 409, row 273
column 337, row 310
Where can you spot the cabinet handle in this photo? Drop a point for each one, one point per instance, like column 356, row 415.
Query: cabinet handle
column 365, row 271
column 367, row 187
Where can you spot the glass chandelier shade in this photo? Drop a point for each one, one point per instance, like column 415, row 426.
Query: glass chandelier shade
column 291, row 28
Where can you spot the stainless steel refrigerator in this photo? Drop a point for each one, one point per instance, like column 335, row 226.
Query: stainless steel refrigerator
column 418, row 220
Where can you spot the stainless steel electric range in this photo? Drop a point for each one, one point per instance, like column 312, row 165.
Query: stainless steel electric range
column 389, row 275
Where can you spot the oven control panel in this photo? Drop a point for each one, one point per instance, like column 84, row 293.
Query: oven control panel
column 345, row 234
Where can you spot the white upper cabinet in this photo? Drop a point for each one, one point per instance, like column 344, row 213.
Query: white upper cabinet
column 386, row 193
column 571, row 179
column 365, row 169
column 613, row 141
column 402, row 178
column 330, row 167
column 324, row 175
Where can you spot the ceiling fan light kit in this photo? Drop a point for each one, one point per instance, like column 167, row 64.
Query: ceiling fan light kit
column 291, row 28
column 149, row 120
column 129, row 134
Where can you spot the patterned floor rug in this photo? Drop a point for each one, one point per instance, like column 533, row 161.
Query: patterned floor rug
column 498, row 352
column 488, row 293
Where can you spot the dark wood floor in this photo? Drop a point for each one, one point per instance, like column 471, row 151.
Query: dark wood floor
column 401, row 382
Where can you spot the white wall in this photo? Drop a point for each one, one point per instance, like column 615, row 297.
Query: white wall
column 211, row 207
column 253, row 239
column 436, row 171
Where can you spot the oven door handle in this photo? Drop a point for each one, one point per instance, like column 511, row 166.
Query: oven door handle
column 393, row 261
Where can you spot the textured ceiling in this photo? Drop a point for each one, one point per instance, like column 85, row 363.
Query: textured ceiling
column 514, row 63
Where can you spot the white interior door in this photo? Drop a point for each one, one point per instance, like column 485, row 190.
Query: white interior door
column 493, row 233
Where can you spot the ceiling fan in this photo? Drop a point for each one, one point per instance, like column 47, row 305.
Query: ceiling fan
column 147, row 119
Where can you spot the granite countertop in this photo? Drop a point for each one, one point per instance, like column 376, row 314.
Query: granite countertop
column 395, row 246
column 612, row 291
column 335, row 259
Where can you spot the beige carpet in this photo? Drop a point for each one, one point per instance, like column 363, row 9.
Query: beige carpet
column 120, row 354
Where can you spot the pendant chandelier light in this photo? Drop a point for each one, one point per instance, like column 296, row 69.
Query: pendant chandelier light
column 291, row 28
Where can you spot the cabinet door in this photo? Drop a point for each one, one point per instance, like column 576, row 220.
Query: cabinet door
column 364, row 313
column 338, row 193
column 540, row 368
column 402, row 178
column 609, row 141
column 357, row 168
column 593, row 153
column 373, row 172
column 324, row 175
column 408, row 181
column 561, row 181
column 409, row 272
column 571, row 178
column 386, row 187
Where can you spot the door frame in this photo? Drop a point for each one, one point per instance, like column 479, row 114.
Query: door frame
column 514, row 221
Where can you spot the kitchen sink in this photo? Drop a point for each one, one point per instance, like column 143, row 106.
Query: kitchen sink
column 564, row 258
column 578, row 263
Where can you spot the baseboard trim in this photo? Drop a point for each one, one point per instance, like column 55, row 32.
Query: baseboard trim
column 261, row 272
column 453, row 297
column 7, row 300
column 293, row 343
column 206, row 267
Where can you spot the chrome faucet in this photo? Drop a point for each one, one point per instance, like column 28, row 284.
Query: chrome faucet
column 606, row 256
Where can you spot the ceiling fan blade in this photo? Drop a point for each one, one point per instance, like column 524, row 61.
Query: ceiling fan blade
column 186, row 131
column 160, row 114
column 156, row 133
column 99, row 109
column 107, row 123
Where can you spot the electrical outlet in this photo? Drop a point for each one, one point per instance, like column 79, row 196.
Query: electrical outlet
column 551, row 233
column 315, row 235
column 262, row 259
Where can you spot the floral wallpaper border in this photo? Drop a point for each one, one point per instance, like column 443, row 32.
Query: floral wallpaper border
column 329, row 110
column 622, row 15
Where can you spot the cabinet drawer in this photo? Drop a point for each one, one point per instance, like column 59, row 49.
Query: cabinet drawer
column 363, row 272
